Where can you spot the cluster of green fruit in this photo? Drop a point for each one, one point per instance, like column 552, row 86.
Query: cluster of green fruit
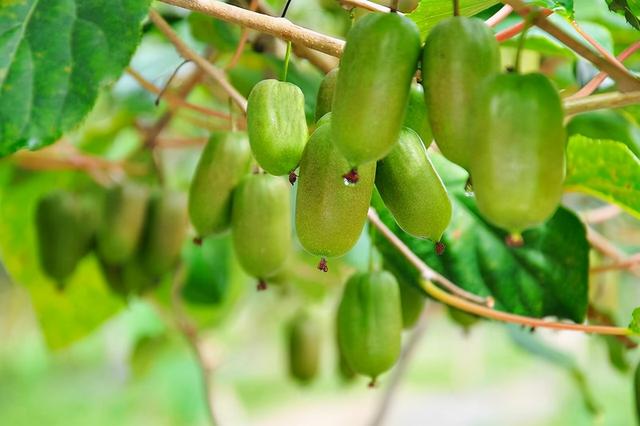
column 136, row 234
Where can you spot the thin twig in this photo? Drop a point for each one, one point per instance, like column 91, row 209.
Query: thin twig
column 186, row 52
column 279, row 27
column 366, row 5
column 429, row 275
column 602, row 318
column 602, row 101
column 190, row 332
column 628, row 263
column 601, row 214
column 605, row 247
column 596, row 81
column 499, row 16
column 593, row 42
column 398, row 372
column 627, row 82
column 516, row 29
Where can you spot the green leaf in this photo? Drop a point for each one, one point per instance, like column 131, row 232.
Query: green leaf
column 605, row 169
column 562, row 7
column 630, row 9
column 220, row 34
column 54, row 56
column 634, row 325
column 548, row 276
column 86, row 302
column 430, row 12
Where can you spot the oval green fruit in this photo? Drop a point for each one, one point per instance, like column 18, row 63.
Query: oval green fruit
column 124, row 212
column 412, row 301
column 165, row 231
column 462, row 318
column 412, row 190
column 417, row 118
column 330, row 214
column 325, row 93
column 65, row 227
column 370, row 323
column 223, row 163
column 518, row 162
column 378, row 63
column 304, row 337
column 325, row 119
column 277, row 125
column 261, row 224
column 458, row 55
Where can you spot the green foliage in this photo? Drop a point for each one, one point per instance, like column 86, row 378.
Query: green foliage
column 630, row 9
column 547, row 276
column 54, row 57
column 605, row 169
column 634, row 325
column 86, row 302
column 223, row 35
column 430, row 12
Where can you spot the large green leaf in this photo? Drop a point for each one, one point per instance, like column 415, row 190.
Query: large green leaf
column 430, row 12
column 630, row 9
column 54, row 55
column 548, row 276
column 605, row 169
column 86, row 302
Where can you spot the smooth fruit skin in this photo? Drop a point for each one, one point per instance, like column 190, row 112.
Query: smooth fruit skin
column 372, row 90
column 124, row 212
column 458, row 55
column 412, row 190
column 277, row 125
column 325, row 93
column 65, row 228
column 417, row 118
column 224, row 162
column 370, row 322
column 330, row 215
column 518, row 162
column 261, row 224
column 165, row 231
column 304, row 337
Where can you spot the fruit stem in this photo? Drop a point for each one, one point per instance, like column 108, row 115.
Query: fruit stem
column 287, row 58
column 527, row 24
column 456, row 7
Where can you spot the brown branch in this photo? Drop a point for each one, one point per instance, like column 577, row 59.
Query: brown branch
column 499, row 16
column 429, row 275
column 593, row 42
column 602, row 101
column 602, row 245
column 516, row 29
column 367, row 5
column 628, row 263
column 627, row 82
column 279, row 27
column 187, row 53
column 602, row 318
column 601, row 214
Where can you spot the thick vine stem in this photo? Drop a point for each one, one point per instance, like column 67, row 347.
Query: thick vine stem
column 186, row 52
column 625, row 79
column 279, row 27
column 602, row 101
column 429, row 275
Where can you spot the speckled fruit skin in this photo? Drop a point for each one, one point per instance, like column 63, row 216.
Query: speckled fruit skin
column 518, row 163
column 123, row 215
column 330, row 215
column 65, row 227
column 325, row 93
column 165, row 231
column 305, row 336
column 412, row 190
column 370, row 322
column 277, row 125
column 372, row 90
column 224, row 162
column 261, row 224
column 417, row 118
column 458, row 55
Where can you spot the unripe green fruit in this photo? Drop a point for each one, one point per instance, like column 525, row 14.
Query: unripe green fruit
column 378, row 63
column 462, row 318
column 304, row 337
column 417, row 118
column 261, row 224
column 370, row 323
column 277, row 125
column 325, row 93
column 412, row 190
column 412, row 301
column 124, row 212
column 518, row 164
column 330, row 214
column 223, row 163
column 165, row 231
column 458, row 55
column 130, row 278
column 325, row 119
column 65, row 228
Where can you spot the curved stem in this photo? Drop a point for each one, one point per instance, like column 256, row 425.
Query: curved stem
column 287, row 58
column 602, row 101
column 499, row 16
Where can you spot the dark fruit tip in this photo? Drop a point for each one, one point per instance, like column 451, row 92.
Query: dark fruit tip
column 197, row 241
column 440, row 247
column 323, row 266
column 514, row 240
column 293, row 177
column 262, row 285
column 373, row 383
column 351, row 177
